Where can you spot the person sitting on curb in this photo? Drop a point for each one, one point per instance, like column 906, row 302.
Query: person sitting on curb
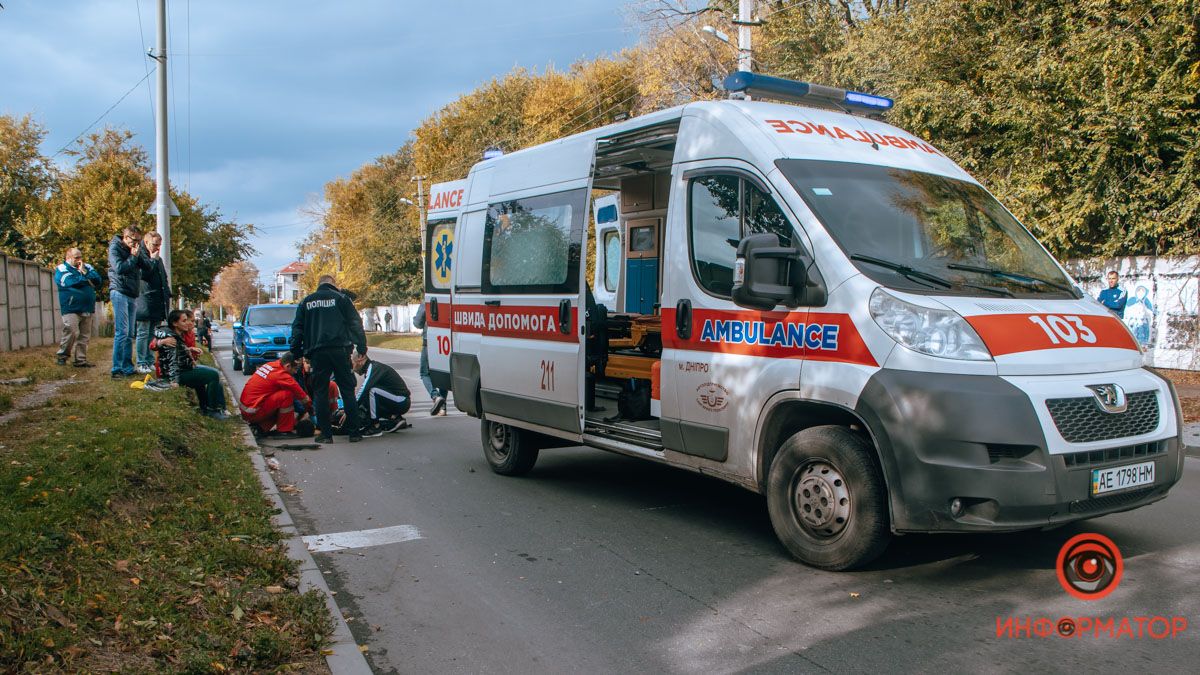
column 179, row 365
column 77, row 282
column 383, row 396
column 268, row 401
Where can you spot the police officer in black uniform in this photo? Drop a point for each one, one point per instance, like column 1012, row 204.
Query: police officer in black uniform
column 324, row 330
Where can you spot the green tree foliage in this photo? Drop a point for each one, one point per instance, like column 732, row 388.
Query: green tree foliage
column 1083, row 117
column 26, row 178
column 108, row 189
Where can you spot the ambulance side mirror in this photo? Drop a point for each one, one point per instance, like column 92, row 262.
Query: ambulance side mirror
column 766, row 274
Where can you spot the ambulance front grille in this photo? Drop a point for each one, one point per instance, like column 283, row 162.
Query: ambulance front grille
column 1081, row 420
column 1096, row 457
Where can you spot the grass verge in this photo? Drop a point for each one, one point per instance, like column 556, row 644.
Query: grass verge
column 135, row 537
column 409, row 343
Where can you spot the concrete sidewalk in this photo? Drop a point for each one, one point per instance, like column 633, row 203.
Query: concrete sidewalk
column 1191, row 439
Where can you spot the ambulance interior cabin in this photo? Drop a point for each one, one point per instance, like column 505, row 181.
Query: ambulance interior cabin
column 624, row 324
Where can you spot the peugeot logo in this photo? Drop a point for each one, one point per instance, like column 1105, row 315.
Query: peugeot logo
column 1110, row 397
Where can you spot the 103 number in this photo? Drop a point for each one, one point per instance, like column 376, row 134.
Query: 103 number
column 1068, row 329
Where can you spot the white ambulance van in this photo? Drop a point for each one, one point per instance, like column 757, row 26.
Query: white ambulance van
column 811, row 304
column 445, row 204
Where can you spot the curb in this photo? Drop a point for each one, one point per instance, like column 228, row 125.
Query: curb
column 345, row 658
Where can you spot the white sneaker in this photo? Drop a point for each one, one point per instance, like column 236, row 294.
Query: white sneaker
column 144, row 370
column 439, row 404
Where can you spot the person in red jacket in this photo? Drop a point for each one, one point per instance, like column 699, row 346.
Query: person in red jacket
column 269, row 397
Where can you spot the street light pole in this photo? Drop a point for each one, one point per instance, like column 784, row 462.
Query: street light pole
column 421, row 218
column 163, row 202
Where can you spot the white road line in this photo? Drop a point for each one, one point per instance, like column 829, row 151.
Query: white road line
column 338, row 541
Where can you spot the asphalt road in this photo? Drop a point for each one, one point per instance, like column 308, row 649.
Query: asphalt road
column 601, row 563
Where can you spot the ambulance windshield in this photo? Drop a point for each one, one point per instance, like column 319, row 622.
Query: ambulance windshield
column 922, row 232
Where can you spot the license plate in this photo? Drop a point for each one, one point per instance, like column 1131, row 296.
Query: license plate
column 1124, row 477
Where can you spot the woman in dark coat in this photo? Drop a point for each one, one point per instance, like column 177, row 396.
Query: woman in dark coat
column 180, row 367
column 153, row 301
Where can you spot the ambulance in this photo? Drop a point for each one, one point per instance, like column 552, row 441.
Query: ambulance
column 445, row 203
column 798, row 298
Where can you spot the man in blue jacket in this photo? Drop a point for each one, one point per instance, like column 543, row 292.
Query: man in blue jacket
column 76, row 282
column 125, row 265
column 1114, row 297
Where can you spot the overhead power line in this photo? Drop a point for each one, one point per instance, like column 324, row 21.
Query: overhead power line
column 105, row 114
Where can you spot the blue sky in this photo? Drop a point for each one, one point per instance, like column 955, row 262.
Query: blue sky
column 270, row 99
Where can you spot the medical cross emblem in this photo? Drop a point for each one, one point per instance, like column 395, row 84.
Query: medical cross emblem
column 442, row 250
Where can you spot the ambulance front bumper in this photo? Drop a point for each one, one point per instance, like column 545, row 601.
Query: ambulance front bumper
column 969, row 454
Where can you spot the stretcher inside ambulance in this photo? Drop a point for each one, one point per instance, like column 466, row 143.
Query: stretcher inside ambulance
column 815, row 305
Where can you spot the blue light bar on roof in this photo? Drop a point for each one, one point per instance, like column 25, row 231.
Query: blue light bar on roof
column 779, row 89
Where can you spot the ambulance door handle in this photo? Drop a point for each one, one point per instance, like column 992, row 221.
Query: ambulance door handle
column 433, row 309
column 492, row 303
column 683, row 319
column 564, row 316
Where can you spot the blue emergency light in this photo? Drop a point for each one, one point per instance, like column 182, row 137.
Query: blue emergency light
column 779, row 89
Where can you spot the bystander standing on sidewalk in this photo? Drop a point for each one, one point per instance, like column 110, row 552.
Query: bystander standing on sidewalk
column 76, row 282
column 325, row 329
column 124, row 284
column 1114, row 297
column 153, row 301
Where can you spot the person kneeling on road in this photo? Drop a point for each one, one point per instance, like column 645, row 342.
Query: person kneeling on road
column 383, row 396
column 178, row 363
column 269, row 399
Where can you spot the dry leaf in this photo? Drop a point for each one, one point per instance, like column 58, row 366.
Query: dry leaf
column 854, row 595
column 135, row 581
column 362, row 648
column 122, row 565
column 238, row 613
column 274, row 590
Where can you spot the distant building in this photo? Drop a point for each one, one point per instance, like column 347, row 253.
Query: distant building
column 287, row 283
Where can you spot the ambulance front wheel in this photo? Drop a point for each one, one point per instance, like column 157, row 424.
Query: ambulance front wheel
column 827, row 499
column 508, row 450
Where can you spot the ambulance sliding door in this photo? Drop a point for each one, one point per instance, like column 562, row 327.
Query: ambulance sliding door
column 532, row 288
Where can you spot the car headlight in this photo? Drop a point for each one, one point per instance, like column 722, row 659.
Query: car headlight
column 934, row 332
column 259, row 341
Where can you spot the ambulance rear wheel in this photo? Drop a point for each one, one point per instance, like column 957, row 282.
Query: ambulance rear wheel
column 508, row 450
column 827, row 499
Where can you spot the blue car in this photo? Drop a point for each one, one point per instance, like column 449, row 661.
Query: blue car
column 261, row 335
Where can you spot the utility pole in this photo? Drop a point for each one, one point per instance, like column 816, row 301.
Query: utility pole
column 421, row 218
column 163, row 201
column 744, row 22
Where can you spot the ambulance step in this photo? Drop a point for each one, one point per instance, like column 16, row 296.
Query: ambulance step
column 629, row 432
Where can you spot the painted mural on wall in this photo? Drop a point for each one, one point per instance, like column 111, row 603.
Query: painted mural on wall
column 1162, row 307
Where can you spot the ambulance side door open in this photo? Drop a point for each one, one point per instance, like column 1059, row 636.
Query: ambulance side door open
column 606, row 282
column 531, row 292
column 444, row 207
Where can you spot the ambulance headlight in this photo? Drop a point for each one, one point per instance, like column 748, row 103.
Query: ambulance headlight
column 934, row 332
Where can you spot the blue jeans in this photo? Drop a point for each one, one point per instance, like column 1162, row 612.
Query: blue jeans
column 142, row 344
column 124, row 316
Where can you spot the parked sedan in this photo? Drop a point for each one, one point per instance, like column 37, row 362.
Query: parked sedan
column 261, row 335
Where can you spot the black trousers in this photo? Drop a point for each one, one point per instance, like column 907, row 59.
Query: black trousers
column 335, row 362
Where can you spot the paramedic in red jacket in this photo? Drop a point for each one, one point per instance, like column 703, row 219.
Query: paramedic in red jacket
column 269, row 397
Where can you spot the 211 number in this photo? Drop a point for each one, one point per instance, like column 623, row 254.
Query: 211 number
column 547, row 375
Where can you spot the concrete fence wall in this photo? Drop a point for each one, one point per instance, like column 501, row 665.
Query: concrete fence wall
column 28, row 305
column 1163, row 311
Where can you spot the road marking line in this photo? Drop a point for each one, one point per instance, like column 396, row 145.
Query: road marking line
column 337, row 541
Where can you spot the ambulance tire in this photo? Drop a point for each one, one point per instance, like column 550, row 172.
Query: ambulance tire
column 828, row 500
column 509, row 451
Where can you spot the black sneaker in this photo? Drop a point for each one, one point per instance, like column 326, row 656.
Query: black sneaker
column 355, row 437
column 439, row 404
column 84, row 364
column 390, row 426
column 323, row 439
column 372, row 431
